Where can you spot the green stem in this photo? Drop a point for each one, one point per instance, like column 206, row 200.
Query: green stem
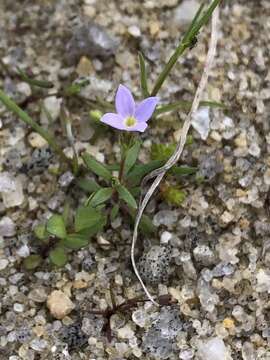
column 191, row 33
column 14, row 108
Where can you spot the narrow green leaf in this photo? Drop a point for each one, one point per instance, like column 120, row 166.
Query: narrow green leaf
column 101, row 196
column 131, row 156
column 33, row 82
column 193, row 30
column 98, row 168
column 76, row 241
column 86, row 217
column 56, row 226
column 183, row 170
column 114, row 212
column 32, row 262
column 58, row 256
column 66, row 213
column 143, row 76
column 139, row 171
column 126, row 196
column 88, row 185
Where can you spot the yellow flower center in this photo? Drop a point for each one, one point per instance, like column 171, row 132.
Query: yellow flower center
column 130, row 121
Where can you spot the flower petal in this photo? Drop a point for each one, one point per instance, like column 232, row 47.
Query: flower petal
column 146, row 108
column 140, row 126
column 113, row 120
column 124, row 102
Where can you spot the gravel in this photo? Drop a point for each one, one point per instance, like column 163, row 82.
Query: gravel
column 211, row 255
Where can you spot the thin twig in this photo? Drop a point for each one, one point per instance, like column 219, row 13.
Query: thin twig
column 158, row 174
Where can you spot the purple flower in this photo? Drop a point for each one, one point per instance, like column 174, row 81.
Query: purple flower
column 130, row 116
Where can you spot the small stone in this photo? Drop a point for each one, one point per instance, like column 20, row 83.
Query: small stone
column 186, row 354
column 154, row 264
column 66, row 179
column 23, row 251
column 201, row 122
column 213, row 349
column 93, row 325
column 209, row 166
column 14, row 197
column 185, row 12
column 18, row 308
column 52, row 105
column 91, row 40
column 159, row 339
column 228, row 323
column 24, row 88
column 140, row 317
column 40, row 159
column 125, row 59
column 104, row 243
column 227, row 217
column 88, row 263
column 134, row 31
column 89, row 11
column 59, row 304
column 84, row 67
column 263, row 281
column 248, row 351
column 7, row 227
column 3, row 264
column 38, row 345
column 154, row 27
column 23, row 335
column 165, row 237
column 125, row 332
column 38, row 295
column 36, row 140
column 73, row 336
column 165, row 217
column 7, row 182
column 204, row 255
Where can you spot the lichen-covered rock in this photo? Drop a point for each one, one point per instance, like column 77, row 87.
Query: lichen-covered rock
column 73, row 336
column 159, row 339
column 154, row 264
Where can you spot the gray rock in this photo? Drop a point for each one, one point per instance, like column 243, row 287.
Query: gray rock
column 7, row 182
column 7, row 227
column 165, row 217
column 66, row 179
column 14, row 197
column 92, row 40
column 204, row 255
column 201, row 122
column 209, row 166
column 40, row 159
column 213, row 349
column 185, row 12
